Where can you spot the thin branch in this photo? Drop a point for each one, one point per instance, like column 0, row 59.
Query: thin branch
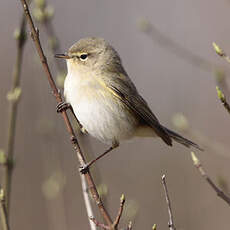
column 13, row 97
column 88, row 205
column 3, row 211
column 56, row 93
column 117, row 219
column 171, row 221
column 103, row 226
column 120, row 211
column 222, row 98
column 218, row 191
column 187, row 55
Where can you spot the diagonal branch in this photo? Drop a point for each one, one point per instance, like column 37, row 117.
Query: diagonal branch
column 98, row 224
column 171, row 221
column 88, row 205
column 117, row 219
column 120, row 211
column 218, row 191
column 56, row 93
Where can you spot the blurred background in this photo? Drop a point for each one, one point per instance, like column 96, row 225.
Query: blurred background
column 166, row 48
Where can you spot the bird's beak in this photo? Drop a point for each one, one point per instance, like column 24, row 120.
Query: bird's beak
column 65, row 56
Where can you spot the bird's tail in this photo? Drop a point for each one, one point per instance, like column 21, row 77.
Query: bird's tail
column 178, row 138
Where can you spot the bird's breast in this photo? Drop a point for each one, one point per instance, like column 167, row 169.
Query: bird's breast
column 101, row 113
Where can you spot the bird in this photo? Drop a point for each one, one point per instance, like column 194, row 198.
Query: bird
column 104, row 99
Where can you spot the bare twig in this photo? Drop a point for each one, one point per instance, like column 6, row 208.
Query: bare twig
column 81, row 158
column 86, row 197
column 13, row 97
column 117, row 219
column 3, row 211
column 103, row 226
column 171, row 221
column 222, row 98
column 218, row 191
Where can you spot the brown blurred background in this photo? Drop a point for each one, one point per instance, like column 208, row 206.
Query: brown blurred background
column 46, row 190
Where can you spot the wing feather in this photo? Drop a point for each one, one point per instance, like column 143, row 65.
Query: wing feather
column 125, row 90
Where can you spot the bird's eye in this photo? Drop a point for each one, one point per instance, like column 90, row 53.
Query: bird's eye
column 83, row 57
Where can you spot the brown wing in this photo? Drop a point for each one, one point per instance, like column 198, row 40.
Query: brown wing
column 125, row 90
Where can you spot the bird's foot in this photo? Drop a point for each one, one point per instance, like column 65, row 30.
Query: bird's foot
column 84, row 168
column 62, row 106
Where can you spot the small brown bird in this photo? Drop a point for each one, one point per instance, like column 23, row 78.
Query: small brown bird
column 104, row 99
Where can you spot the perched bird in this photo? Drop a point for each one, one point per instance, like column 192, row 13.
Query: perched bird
column 104, row 99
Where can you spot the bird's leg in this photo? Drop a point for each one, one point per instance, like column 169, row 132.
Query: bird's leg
column 84, row 169
column 64, row 106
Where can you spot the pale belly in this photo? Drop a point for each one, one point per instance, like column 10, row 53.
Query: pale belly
column 100, row 113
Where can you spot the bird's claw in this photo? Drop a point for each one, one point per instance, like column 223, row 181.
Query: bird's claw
column 83, row 169
column 62, row 106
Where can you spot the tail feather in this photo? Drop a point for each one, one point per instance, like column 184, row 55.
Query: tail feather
column 178, row 138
